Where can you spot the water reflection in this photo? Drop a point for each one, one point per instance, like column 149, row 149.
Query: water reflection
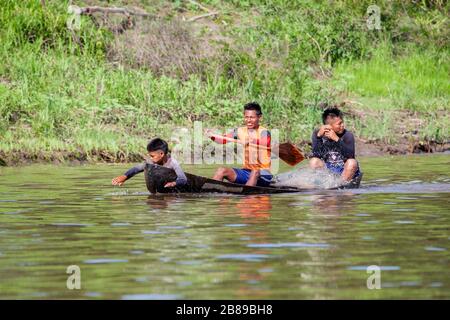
column 253, row 213
column 158, row 202
column 334, row 203
column 255, row 208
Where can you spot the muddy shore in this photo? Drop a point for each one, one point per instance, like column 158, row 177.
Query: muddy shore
column 363, row 149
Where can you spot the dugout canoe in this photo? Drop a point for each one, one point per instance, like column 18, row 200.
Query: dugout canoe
column 157, row 176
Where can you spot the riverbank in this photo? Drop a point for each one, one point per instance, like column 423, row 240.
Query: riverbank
column 100, row 93
column 363, row 149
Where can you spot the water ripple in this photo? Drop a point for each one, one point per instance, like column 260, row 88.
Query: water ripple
column 382, row 268
column 151, row 296
column 235, row 225
column 288, row 245
column 435, row 249
column 103, row 261
column 244, row 256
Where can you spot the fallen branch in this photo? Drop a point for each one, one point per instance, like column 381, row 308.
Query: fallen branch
column 199, row 5
column 125, row 11
column 208, row 14
column 203, row 16
column 128, row 23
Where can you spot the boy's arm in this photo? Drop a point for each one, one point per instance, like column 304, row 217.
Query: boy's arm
column 232, row 134
column 135, row 170
column 317, row 145
column 120, row 180
column 347, row 145
column 181, row 177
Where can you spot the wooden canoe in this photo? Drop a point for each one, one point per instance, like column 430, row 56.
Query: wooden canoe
column 157, row 176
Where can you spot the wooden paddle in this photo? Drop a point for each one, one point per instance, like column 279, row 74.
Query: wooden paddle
column 286, row 151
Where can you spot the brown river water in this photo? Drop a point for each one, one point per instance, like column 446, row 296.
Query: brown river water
column 314, row 245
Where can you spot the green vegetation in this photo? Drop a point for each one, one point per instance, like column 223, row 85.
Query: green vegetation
column 93, row 94
column 421, row 77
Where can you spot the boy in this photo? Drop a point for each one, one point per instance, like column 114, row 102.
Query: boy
column 158, row 152
column 333, row 146
column 256, row 168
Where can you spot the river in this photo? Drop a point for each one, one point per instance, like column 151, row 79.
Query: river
column 315, row 245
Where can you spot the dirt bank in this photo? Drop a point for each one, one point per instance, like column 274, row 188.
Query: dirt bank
column 363, row 149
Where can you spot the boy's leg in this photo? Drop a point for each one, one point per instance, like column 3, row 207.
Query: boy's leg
column 350, row 168
column 253, row 179
column 316, row 163
column 227, row 173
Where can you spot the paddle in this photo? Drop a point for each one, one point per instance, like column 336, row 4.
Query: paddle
column 286, row 151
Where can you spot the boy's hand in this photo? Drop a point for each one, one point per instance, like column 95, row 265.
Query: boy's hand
column 118, row 181
column 209, row 133
column 323, row 129
column 330, row 134
column 170, row 184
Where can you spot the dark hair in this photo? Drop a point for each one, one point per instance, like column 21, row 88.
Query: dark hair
column 253, row 106
column 332, row 112
column 158, row 144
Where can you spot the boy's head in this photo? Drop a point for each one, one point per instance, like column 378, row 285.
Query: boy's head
column 333, row 116
column 157, row 149
column 252, row 115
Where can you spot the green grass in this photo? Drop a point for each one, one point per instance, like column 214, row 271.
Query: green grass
column 57, row 96
column 392, row 90
column 416, row 81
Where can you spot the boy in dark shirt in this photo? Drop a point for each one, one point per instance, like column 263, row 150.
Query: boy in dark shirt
column 158, row 152
column 333, row 146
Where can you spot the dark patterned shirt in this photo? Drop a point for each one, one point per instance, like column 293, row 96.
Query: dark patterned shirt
column 332, row 152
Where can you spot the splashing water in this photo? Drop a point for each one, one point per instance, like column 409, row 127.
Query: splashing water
column 308, row 178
